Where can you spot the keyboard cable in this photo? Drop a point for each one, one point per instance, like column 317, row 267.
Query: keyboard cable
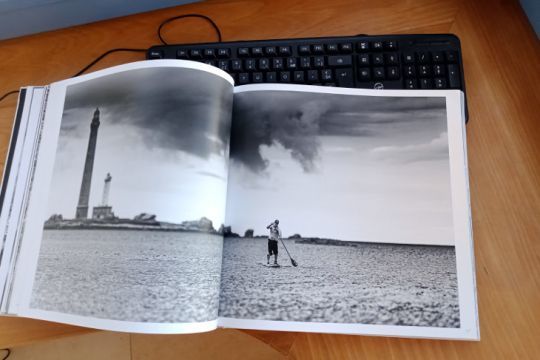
column 108, row 52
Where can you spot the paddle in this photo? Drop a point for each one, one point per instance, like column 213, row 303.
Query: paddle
column 293, row 262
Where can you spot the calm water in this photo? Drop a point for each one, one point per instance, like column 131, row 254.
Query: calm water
column 147, row 276
column 368, row 284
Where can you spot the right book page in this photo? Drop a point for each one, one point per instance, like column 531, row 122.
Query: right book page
column 348, row 212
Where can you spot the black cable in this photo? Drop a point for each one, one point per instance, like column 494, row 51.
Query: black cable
column 7, row 354
column 216, row 28
column 105, row 54
column 8, row 93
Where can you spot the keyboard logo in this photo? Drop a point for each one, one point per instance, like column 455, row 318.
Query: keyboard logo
column 378, row 86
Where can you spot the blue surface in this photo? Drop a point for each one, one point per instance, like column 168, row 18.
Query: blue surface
column 23, row 17
column 532, row 9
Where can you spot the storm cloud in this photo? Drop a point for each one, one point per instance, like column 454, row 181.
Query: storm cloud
column 175, row 109
column 297, row 121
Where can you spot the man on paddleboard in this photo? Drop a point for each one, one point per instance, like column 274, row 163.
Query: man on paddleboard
column 275, row 234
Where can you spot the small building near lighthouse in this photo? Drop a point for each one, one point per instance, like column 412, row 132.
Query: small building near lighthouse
column 104, row 211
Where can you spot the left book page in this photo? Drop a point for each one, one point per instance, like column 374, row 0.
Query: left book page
column 127, row 193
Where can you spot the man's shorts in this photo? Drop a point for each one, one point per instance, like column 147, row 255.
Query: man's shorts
column 272, row 247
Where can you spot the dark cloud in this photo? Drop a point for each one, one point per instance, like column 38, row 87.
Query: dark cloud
column 174, row 108
column 297, row 120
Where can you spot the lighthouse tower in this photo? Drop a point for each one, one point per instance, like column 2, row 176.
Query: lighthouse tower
column 84, row 195
column 104, row 211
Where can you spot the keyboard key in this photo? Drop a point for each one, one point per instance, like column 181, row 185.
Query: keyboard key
column 410, row 84
column 313, row 76
column 257, row 51
column 454, row 80
column 243, row 52
column 250, row 65
column 304, row 49
column 243, row 78
column 257, row 77
column 424, row 70
column 299, row 77
column 264, row 64
column 364, row 74
column 332, row 48
column 305, row 62
column 340, row 60
column 363, row 59
column 378, row 59
column 284, row 76
column 195, row 54
column 391, row 59
column 182, row 54
column 224, row 53
column 236, row 65
column 377, row 45
column 271, row 77
column 326, row 75
column 451, row 56
column 438, row 57
column 346, row 48
column 408, row 58
column 285, row 50
column 156, row 54
column 423, row 57
column 270, row 50
column 224, row 65
column 317, row 49
column 390, row 45
column 344, row 77
column 277, row 63
column 392, row 72
column 210, row 62
column 440, row 83
column 378, row 73
column 426, row 84
column 410, row 71
column 363, row 46
column 209, row 53
column 292, row 63
column 318, row 61
column 439, row 70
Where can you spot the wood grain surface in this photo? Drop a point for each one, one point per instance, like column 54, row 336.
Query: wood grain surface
column 502, row 70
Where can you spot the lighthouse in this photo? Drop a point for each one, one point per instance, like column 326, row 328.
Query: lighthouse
column 104, row 211
column 84, row 195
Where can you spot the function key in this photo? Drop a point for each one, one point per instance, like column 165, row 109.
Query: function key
column 299, row 77
column 182, row 54
column 243, row 52
column 285, row 50
column 277, row 63
column 223, row 65
column 451, row 56
column 332, row 48
column 438, row 57
column 377, row 45
column 257, row 51
column 390, row 45
column 270, row 50
column 408, row 58
column 195, row 54
column 318, row 49
column 326, row 75
column 363, row 46
column 291, row 63
column 210, row 62
column 250, row 65
column 305, row 62
column 423, row 57
column 264, row 64
column 346, row 48
column 304, row 49
column 156, row 54
column 236, row 65
column 318, row 61
column 284, row 76
column 224, row 53
column 209, row 53
column 391, row 59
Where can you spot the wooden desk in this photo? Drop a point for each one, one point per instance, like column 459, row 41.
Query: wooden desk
column 502, row 68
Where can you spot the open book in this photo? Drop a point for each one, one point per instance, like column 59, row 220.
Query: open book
column 156, row 197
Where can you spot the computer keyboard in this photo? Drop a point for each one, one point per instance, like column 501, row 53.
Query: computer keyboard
column 373, row 62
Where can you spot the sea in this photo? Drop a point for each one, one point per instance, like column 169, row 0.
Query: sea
column 130, row 275
column 367, row 283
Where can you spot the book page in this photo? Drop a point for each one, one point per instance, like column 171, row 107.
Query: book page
column 127, row 200
column 347, row 212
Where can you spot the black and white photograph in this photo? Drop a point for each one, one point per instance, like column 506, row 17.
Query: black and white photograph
column 137, row 198
column 339, row 210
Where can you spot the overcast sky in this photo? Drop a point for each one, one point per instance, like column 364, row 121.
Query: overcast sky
column 163, row 138
column 344, row 167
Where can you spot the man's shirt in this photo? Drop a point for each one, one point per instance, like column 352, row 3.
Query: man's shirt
column 275, row 232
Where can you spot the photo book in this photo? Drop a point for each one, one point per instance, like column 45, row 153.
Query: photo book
column 157, row 197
